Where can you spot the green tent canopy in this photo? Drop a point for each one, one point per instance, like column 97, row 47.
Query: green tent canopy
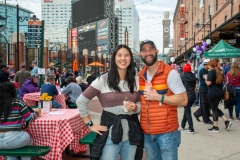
column 222, row 50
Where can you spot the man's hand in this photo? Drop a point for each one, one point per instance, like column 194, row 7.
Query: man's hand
column 151, row 95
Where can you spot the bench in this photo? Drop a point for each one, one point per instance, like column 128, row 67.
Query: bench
column 87, row 139
column 72, row 105
column 26, row 151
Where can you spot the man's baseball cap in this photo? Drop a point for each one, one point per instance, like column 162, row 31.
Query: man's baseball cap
column 205, row 61
column 147, row 42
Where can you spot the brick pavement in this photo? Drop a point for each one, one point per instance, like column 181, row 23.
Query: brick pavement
column 201, row 145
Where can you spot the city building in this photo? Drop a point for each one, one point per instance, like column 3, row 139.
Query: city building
column 12, row 19
column 128, row 19
column 197, row 21
column 56, row 14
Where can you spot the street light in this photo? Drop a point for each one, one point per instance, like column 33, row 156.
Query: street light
column 197, row 25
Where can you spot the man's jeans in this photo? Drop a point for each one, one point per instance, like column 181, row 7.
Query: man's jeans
column 162, row 146
column 111, row 151
column 15, row 139
column 55, row 104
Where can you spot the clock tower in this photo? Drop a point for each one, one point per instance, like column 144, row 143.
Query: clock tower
column 166, row 22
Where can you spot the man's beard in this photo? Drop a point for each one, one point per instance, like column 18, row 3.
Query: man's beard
column 151, row 62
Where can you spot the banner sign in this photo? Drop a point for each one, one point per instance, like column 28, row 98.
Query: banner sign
column 103, row 36
column 34, row 34
column 86, row 28
column 182, row 19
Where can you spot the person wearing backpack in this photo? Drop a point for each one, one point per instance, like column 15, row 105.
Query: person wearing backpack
column 233, row 79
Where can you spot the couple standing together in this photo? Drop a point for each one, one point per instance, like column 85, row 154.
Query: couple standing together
column 120, row 132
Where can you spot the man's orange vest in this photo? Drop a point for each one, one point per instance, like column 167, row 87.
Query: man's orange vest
column 156, row 119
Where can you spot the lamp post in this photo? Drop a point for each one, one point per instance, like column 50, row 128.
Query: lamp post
column 197, row 25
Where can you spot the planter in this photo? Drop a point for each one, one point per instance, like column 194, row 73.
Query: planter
column 47, row 106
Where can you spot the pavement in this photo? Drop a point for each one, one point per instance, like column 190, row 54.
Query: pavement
column 202, row 145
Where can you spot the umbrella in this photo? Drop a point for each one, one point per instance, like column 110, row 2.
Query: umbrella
column 222, row 50
column 75, row 66
column 95, row 64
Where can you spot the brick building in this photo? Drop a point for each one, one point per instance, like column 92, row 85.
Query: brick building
column 224, row 22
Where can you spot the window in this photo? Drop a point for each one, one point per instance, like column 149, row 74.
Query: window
column 216, row 5
column 215, row 26
column 225, row 18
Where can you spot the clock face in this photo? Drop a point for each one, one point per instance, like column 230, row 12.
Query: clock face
column 166, row 29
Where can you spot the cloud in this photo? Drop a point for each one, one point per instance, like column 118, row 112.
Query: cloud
column 150, row 15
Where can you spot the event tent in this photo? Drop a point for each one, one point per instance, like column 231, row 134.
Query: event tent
column 222, row 50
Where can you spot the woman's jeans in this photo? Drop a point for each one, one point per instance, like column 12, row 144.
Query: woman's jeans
column 15, row 139
column 237, row 104
column 162, row 146
column 111, row 151
column 214, row 102
column 187, row 116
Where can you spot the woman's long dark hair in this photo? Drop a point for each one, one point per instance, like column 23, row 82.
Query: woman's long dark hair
column 7, row 94
column 113, row 75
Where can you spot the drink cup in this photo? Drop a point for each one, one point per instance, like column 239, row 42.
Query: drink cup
column 124, row 104
column 205, row 76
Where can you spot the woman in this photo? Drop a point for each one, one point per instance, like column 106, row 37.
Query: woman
column 214, row 80
column 119, row 132
column 233, row 78
column 189, row 81
column 80, row 82
column 13, row 111
column 30, row 85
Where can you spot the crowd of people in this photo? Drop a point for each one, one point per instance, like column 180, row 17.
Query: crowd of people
column 154, row 94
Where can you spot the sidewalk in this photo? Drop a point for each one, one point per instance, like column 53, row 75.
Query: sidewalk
column 202, row 145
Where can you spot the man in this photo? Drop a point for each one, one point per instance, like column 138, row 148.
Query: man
column 3, row 73
column 35, row 68
column 91, row 78
column 51, row 90
column 227, row 68
column 11, row 72
column 50, row 72
column 204, row 109
column 73, row 91
column 159, row 118
column 21, row 76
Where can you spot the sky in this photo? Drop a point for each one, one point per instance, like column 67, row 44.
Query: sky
column 150, row 15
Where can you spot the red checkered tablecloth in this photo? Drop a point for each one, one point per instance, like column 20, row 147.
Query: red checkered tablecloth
column 31, row 98
column 58, row 131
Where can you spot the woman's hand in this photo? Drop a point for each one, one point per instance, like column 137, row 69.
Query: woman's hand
column 97, row 128
column 39, row 111
column 130, row 106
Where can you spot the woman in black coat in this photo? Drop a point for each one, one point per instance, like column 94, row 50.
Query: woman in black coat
column 189, row 81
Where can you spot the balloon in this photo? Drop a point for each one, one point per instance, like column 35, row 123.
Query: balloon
column 172, row 59
column 199, row 52
column 203, row 48
column 205, row 44
column 197, row 47
column 194, row 49
column 208, row 41
column 198, row 57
